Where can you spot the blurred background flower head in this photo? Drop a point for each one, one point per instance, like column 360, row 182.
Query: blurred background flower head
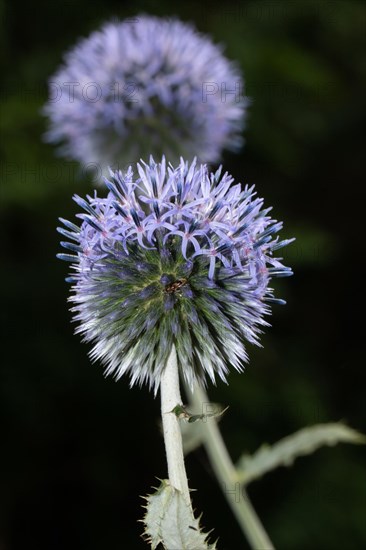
column 145, row 86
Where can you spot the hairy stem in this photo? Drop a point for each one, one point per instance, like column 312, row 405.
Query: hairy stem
column 226, row 474
column 170, row 398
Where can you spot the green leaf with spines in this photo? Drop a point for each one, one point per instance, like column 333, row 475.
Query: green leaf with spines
column 169, row 521
column 285, row 451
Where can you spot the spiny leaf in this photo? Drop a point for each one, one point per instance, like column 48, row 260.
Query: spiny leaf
column 169, row 521
column 285, row 451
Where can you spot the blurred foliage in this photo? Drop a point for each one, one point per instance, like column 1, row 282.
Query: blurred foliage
column 78, row 450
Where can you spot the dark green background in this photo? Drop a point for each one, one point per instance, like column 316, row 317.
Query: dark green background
column 77, row 450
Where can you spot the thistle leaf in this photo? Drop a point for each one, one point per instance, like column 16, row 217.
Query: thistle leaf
column 285, row 451
column 169, row 521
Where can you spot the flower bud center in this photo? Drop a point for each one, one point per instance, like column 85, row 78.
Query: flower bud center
column 175, row 285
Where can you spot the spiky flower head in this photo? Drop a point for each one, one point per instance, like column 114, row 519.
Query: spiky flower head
column 141, row 87
column 172, row 256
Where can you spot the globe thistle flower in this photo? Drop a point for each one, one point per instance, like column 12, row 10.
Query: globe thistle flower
column 151, row 86
column 172, row 256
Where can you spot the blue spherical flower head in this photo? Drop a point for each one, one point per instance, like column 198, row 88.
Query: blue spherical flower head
column 172, row 256
column 150, row 86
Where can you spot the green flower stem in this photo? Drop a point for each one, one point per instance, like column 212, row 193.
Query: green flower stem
column 170, row 398
column 227, row 476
